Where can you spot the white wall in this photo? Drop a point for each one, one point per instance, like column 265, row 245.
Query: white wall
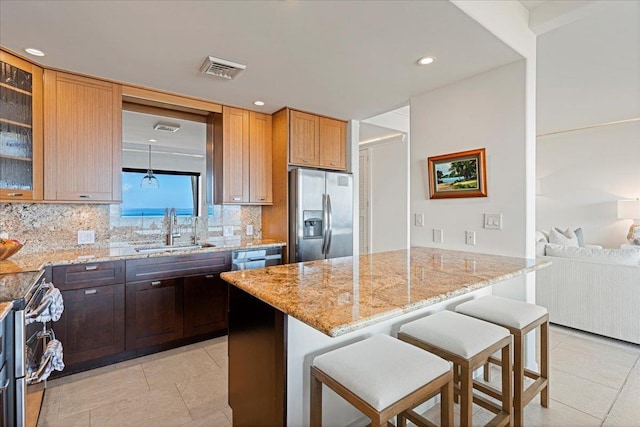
column 589, row 73
column 389, row 195
column 487, row 111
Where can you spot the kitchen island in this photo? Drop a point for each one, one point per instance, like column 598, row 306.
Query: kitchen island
column 281, row 317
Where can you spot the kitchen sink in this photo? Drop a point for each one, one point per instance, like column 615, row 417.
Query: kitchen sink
column 170, row 248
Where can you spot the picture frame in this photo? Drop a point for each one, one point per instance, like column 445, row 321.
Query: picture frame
column 461, row 174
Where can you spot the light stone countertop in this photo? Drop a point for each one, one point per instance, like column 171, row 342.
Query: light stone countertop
column 5, row 308
column 341, row 295
column 37, row 261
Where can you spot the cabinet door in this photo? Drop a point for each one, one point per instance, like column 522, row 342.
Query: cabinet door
column 235, row 156
column 154, row 313
column 92, row 323
column 260, row 146
column 304, row 148
column 21, row 124
column 83, row 138
column 205, row 302
column 333, row 143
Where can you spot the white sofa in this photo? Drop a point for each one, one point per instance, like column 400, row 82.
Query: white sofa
column 591, row 289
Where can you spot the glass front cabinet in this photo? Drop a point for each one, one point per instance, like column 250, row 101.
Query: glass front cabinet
column 21, row 130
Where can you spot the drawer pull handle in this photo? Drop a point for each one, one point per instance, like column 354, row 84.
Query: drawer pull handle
column 305, row 161
column 156, row 283
column 209, row 276
column 236, row 199
column 85, row 196
column 15, row 194
column 90, row 292
column 91, row 267
column 333, row 164
column 261, row 198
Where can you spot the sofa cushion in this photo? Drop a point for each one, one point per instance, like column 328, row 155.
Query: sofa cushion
column 608, row 256
column 565, row 238
column 580, row 236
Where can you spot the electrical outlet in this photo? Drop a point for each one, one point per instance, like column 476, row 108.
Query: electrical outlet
column 493, row 221
column 419, row 220
column 86, row 237
column 470, row 237
column 227, row 230
column 438, row 235
column 249, row 230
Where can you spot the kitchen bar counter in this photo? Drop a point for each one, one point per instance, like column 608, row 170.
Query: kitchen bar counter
column 341, row 295
column 281, row 317
column 37, row 261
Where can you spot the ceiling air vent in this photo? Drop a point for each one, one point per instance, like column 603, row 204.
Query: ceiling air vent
column 221, row 68
column 166, row 127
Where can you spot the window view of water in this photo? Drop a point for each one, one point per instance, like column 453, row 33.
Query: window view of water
column 175, row 191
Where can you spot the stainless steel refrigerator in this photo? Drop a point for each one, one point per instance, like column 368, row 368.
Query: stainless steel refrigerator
column 321, row 214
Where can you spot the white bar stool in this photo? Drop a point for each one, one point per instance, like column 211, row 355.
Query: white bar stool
column 383, row 377
column 468, row 343
column 519, row 318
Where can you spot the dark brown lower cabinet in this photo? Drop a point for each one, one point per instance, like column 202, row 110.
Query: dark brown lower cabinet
column 92, row 323
column 206, row 299
column 154, row 313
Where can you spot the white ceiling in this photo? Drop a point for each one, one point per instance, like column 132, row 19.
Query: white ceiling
column 346, row 59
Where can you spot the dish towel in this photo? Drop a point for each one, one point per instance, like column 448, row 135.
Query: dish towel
column 53, row 352
column 52, row 306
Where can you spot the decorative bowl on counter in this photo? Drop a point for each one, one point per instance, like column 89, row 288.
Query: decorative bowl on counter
column 8, row 248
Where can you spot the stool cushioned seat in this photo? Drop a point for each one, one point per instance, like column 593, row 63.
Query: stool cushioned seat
column 381, row 370
column 503, row 311
column 471, row 336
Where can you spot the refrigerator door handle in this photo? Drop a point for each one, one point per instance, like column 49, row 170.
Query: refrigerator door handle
column 324, row 223
column 329, row 224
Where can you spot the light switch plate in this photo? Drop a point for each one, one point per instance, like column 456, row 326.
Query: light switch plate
column 438, row 235
column 86, row 237
column 419, row 219
column 227, row 230
column 470, row 237
column 249, row 230
column 493, row 221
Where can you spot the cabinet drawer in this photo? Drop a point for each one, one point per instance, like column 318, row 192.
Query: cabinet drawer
column 176, row 266
column 78, row 276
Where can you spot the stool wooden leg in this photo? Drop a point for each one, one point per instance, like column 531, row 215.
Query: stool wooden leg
column 486, row 372
column 518, row 373
column 507, row 382
column 456, row 382
column 466, row 396
column 316, row 402
column 544, row 362
column 446, row 405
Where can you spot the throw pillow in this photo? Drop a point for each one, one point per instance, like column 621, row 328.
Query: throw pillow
column 580, row 236
column 564, row 238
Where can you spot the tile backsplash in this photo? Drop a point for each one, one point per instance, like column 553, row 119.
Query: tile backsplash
column 46, row 227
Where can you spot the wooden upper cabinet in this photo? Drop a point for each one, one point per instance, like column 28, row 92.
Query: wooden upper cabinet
column 333, row 142
column 235, row 155
column 21, row 123
column 243, row 168
column 83, row 138
column 317, row 141
column 304, row 143
column 260, row 158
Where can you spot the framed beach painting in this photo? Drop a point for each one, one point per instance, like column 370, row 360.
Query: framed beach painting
column 460, row 174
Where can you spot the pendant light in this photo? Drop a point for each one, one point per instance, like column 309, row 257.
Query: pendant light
column 149, row 180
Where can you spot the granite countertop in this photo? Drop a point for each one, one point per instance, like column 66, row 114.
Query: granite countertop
column 341, row 295
column 19, row 263
column 5, row 308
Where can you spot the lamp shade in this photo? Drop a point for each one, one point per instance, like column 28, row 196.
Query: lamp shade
column 629, row 209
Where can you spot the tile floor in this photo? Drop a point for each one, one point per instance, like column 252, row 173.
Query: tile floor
column 595, row 382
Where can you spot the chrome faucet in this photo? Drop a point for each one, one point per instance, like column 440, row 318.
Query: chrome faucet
column 172, row 222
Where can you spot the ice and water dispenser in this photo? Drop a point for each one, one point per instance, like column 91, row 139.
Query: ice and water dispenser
column 312, row 224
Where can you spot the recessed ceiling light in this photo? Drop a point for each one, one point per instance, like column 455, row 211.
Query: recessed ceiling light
column 152, row 140
column 258, row 103
column 426, row 60
column 34, row 52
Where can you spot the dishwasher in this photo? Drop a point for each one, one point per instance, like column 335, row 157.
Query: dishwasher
column 248, row 259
